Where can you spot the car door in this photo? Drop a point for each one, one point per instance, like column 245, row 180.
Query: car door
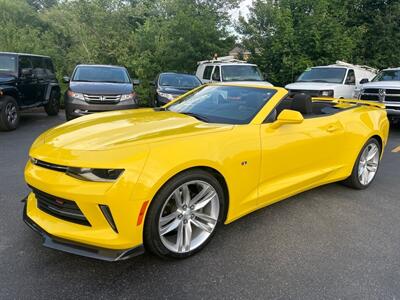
column 39, row 73
column 347, row 90
column 296, row 157
column 216, row 76
column 27, row 82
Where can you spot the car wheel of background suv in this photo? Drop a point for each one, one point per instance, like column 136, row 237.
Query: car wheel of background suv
column 53, row 106
column 9, row 114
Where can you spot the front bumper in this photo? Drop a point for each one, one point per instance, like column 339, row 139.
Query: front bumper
column 64, row 245
column 76, row 108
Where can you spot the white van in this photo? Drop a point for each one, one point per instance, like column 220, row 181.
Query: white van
column 337, row 81
column 228, row 69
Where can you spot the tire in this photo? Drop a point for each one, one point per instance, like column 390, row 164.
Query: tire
column 68, row 117
column 9, row 114
column 356, row 180
column 53, row 106
column 195, row 221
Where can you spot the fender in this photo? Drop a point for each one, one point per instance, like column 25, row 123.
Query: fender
column 8, row 90
column 50, row 87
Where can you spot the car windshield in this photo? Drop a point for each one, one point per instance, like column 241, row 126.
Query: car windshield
column 388, row 75
column 179, row 80
column 330, row 75
column 101, row 74
column 8, row 63
column 241, row 73
column 223, row 104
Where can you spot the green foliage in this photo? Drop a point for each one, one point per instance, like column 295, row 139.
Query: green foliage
column 290, row 35
column 145, row 36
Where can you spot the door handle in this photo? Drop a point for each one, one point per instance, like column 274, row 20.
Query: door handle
column 332, row 128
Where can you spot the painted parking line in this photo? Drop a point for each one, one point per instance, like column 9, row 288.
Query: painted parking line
column 396, row 150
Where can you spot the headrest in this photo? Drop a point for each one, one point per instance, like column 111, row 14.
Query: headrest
column 302, row 103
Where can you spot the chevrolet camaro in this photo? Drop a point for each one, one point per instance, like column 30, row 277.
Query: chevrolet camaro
column 110, row 185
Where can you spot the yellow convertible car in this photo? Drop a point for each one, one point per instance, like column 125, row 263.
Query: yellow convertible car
column 110, row 185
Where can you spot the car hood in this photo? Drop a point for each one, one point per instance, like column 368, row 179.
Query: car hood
column 382, row 84
column 101, row 88
column 311, row 86
column 174, row 90
column 4, row 79
column 104, row 131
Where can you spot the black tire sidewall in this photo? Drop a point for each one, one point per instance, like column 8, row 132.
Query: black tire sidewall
column 4, row 124
column 152, row 240
column 53, row 106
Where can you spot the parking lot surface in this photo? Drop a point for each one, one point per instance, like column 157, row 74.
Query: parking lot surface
column 328, row 243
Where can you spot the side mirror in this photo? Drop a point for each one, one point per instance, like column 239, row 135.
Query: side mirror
column 364, row 80
column 66, row 79
column 27, row 72
column 288, row 116
column 136, row 81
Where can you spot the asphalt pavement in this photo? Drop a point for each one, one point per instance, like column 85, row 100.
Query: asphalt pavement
column 328, row 243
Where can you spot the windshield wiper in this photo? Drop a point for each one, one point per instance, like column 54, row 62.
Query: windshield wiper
column 197, row 116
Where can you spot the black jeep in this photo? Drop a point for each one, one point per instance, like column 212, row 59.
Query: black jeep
column 26, row 81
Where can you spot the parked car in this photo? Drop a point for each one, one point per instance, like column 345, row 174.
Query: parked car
column 228, row 69
column 98, row 88
column 107, row 184
column 337, row 81
column 26, row 81
column 170, row 85
column 385, row 88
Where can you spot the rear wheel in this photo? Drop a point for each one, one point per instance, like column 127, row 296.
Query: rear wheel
column 53, row 106
column 184, row 215
column 9, row 114
column 366, row 166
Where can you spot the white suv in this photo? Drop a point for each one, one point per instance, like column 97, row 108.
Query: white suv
column 337, row 81
column 385, row 88
column 228, row 69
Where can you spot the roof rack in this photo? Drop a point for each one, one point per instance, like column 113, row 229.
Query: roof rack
column 223, row 59
column 345, row 64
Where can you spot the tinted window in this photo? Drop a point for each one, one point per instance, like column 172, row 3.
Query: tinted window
column 179, row 80
column 241, row 73
column 207, row 72
column 25, row 62
column 8, row 63
column 48, row 66
column 224, row 104
column 351, row 77
column 38, row 66
column 388, row 75
column 101, row 74
column 216, row 76
column 331, row 75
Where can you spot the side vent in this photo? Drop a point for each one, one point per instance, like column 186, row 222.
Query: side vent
column 107, row 214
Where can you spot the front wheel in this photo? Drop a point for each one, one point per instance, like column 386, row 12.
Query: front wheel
column 9, row 114
column 366, row 166
column 184, row 215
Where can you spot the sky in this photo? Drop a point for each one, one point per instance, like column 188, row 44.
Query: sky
column 243, row 8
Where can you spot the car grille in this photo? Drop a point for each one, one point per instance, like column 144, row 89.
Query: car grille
column 61, row 208
column 312, row 93
column 382, row 95
column 102, row 99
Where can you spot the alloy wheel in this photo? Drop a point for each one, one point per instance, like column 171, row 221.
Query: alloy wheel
column 368, row 165
column 11, row 113
column 189, row 216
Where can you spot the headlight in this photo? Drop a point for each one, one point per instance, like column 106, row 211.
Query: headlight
column 127, row 97
column 328, row 93
column 165, row 95
column 76, row 95
column 98, row 175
